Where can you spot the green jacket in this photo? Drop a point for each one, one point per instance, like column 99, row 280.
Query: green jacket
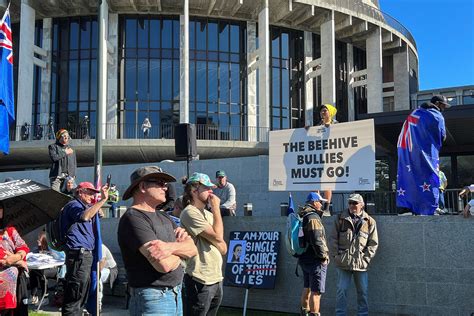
column 352, row 251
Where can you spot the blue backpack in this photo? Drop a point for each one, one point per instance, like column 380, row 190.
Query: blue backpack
column 294, row 239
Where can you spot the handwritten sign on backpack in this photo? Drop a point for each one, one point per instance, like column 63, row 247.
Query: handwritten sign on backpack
column 252, row 259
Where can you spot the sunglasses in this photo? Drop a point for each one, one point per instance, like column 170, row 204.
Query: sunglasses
column 159, row 183
column 353, row 203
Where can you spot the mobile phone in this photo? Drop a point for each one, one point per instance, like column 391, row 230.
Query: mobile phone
column 109, row 178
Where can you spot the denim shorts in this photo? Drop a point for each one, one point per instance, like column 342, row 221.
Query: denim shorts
column 314, row 276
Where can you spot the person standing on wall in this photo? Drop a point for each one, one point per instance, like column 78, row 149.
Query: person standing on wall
column 418, row 146
column 63, row 159
column 327, row 113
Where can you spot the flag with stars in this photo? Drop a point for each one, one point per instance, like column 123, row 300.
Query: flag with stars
column 418, row 148
column 7, row 111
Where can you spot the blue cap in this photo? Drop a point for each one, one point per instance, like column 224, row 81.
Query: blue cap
column 202, row 179
column 313, row 197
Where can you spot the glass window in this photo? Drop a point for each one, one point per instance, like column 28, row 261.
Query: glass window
column 234, row 38
column 155, row 35
column 143, row 31
column 465, row 167
column 212, row 36
column 201, row 39
column 223, row 37
column 167, row 32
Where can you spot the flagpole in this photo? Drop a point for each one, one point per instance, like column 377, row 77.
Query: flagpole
column 100, row 110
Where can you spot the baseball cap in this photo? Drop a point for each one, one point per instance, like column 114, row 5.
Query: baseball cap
column 313, row 197
column 201, row 178
column 440, row 98
column 145, row 173
column 220, row 173
column 86, row 185
column 356, row 198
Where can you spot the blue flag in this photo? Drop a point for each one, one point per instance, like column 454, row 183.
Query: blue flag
column 94, row 287
column 418, row 148
column 291, row 206
column 7, row 111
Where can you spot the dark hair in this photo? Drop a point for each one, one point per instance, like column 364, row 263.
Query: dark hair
column 235, row 247
column 187, row 196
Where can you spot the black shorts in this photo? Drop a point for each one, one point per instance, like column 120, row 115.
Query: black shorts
column 314, row 276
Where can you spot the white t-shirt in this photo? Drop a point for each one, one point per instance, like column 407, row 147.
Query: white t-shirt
column 109, row 259
column 471, row 207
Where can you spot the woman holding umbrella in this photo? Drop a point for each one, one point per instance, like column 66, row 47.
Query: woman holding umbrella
column 13, row 250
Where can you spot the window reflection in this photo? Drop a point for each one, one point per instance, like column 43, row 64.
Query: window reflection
column 74, row 75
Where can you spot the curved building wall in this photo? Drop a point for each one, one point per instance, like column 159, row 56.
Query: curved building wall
column 251, row 68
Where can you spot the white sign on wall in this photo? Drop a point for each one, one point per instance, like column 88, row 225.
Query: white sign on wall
column 340, row 157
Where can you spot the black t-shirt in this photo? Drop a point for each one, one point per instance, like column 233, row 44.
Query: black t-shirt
column 137, row 228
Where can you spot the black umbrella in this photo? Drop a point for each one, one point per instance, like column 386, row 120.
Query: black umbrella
column 28, row 205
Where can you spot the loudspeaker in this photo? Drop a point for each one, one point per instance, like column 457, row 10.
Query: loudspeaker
column 185, row 140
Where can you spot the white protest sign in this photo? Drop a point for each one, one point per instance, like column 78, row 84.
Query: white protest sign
column 340, row 157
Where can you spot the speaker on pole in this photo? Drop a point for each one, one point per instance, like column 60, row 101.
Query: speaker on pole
column 185, row 140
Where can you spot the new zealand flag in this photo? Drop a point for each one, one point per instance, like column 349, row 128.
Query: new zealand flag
column 7, row 111
column 418, row 146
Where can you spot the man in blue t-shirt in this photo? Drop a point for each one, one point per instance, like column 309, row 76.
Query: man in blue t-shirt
column 77, row 222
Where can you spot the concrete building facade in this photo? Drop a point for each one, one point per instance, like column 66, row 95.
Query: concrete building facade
column 235, row 68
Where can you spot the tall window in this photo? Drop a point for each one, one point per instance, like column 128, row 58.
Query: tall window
column 360, row 93
column 74, row 75
column 36, row 101
column 341, row 82
column 287, row 75
column 217, row 73
column 149, row 84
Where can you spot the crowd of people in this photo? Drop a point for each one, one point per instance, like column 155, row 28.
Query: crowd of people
column 173, row 246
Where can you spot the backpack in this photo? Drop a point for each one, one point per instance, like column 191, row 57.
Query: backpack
column 55, row 236
column 294, row 238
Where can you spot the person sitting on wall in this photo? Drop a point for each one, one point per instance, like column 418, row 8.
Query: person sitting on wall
column 225, row 191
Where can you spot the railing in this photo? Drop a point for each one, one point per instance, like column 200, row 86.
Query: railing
column 367, row 10
column 135, row 131
column 384, row 202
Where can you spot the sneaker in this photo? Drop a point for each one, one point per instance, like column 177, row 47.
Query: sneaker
column 405, row 213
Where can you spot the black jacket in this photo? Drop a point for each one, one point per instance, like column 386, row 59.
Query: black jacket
column 61, row 162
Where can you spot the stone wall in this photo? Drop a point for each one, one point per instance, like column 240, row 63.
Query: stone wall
column 423, row 267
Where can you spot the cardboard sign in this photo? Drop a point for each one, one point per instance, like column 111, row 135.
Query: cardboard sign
column 339, row 157
column 252, row 259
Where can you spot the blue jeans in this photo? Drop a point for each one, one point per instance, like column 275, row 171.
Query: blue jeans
column 156, row 301
column 361, row 281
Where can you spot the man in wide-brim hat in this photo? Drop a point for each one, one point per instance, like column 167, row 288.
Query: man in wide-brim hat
column 152, row 246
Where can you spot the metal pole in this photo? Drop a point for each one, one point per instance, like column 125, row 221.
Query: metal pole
column 245, row 302
column 101, row 93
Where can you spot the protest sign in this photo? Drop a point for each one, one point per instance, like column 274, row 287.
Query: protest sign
column 252, row 259
column 339, row 157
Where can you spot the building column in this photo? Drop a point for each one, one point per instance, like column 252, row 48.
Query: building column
column 102, row 68
column 350, row 89
column 401, row 78
column 309, row 91
column 374, row 72
column 25, row 66
column 328, row 61
column 264, row 73
column 45, row 103
column 184, row 65
column 112, row 77
column 251, row 82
